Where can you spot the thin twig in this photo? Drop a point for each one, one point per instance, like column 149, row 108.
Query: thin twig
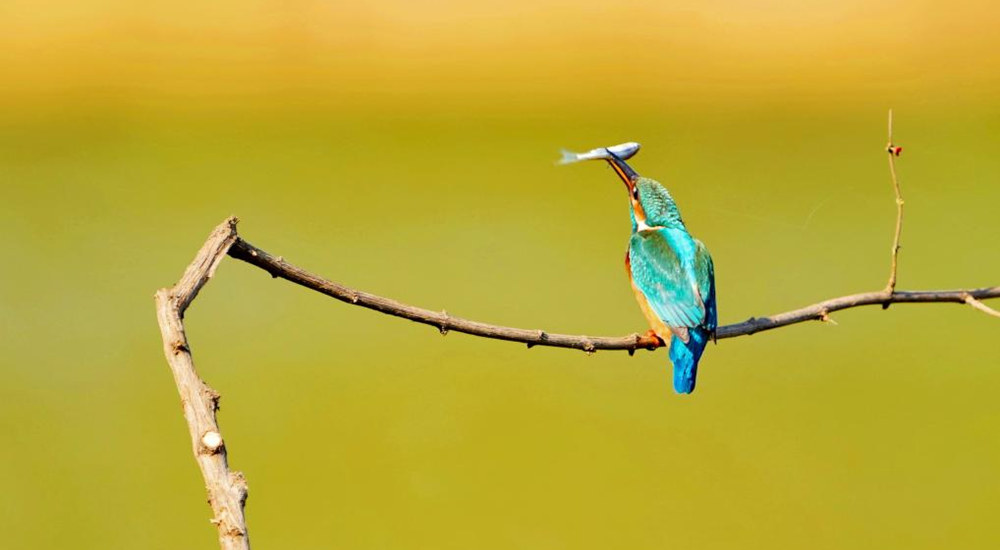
column 227, row 491
column 279, row 268
column 893, row 152
column 972, row 301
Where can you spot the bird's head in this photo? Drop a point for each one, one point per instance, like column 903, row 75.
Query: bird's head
column 651, row 203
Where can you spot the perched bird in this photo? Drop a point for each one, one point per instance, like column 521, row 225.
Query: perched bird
column 671, row 272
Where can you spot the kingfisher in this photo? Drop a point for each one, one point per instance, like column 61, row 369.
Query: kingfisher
column 671, row 272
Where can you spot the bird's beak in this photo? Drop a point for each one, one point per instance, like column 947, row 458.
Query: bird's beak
column 624, row 171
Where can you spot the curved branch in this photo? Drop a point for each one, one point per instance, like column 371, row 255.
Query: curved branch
column 278, row 267
column 227, row 491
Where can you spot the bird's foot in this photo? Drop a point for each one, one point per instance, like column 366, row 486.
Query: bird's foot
column 652, row 335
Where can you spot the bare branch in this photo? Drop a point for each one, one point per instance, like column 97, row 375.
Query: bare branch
column 894, row 151
column 279, row 268
column 227, row 491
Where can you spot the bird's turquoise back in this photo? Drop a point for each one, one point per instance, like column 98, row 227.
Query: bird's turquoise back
column 675, row 274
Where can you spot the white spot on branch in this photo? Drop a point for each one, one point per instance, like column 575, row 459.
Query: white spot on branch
column 212, row 441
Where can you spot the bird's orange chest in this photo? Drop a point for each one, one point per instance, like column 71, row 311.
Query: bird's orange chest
column 655, row 323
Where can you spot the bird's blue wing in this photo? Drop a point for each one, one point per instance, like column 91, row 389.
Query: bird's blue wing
column 659, row 274
column 704, row 271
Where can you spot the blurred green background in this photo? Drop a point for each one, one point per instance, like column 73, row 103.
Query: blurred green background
column 407, row 149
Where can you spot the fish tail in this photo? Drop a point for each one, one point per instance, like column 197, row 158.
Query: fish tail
column 569, row 157
column 685, row 357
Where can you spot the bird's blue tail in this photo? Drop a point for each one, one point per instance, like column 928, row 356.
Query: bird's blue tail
column 685, row 358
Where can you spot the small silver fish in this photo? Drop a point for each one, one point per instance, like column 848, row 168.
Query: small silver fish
column 623, row 151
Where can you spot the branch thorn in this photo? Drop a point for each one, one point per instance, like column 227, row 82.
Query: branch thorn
column 444, row 324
